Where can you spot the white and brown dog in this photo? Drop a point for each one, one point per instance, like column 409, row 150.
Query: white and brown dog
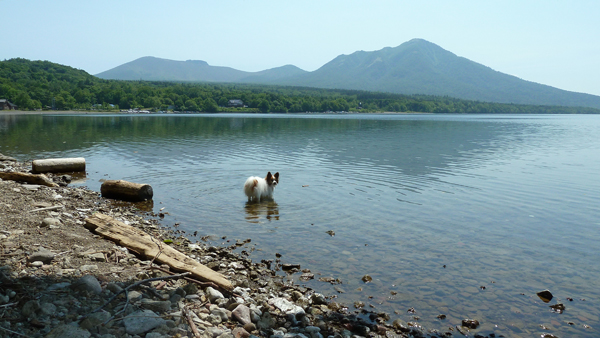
column 257, row 188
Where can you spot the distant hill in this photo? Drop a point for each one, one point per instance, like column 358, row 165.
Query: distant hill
column 414, row 67
column 149, row 68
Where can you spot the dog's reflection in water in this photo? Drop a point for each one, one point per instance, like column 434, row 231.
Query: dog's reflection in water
column 268, row 210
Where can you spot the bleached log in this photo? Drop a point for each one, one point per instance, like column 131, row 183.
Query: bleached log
column 127, row 191
column 39, row 179
column 58, row 165
column 152, row 249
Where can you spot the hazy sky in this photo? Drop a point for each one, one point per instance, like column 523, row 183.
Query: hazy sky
column 556, row 43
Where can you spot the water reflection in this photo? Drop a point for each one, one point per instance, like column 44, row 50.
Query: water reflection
column 256, row 212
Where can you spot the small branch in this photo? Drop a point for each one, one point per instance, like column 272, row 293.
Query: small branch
column 134, row 285
column 54, row 207
column 191, row 323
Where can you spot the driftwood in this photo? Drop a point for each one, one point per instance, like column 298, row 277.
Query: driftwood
column 39, row 179
column 146, row 245
column 127, row 191
column 58, row 165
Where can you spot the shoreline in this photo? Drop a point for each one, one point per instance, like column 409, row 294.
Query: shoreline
column 39, row 220
column 87, row 112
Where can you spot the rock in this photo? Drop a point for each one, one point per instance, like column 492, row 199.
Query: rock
column 90, row 267
column 159, row 306
column 400, row 325
column 470, row 323
column 318, row 299
column 43, row 255
column 142, row 321
column 68, row 331
column 97, row 256
column 95, row 319
column 221, row 313
column 239, row 332
column 87, row 283
column 545, row 296
column 134, row 295
column 266, row 321
column 48, row 309
column 37, row 264
column 49, row 221
column 242, row 314
column 367, row 278
column 307, row 276
column 4, row 158
column 249, row 327
column 30, row 309
column 287, row 307
column 559, row 308
column 213, row 295
column 114, row 287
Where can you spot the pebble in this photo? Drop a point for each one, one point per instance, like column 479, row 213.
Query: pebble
column 87, row 283
column 213, row 295
column 142, row 321
column 43, row 255
column 242, row 314
column 70, row 331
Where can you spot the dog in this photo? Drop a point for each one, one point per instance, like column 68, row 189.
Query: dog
column 257, row 188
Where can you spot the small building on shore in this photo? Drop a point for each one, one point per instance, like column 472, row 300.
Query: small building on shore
column 7, row 105
column 235, row 103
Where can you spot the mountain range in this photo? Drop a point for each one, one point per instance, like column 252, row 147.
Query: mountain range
column 414, row 67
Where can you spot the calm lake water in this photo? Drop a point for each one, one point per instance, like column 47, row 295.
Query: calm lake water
column 467, row 216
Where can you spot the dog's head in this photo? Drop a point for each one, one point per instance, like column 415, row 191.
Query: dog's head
column 272, row 180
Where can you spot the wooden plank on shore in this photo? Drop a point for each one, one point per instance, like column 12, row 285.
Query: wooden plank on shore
column 152, row 248
column 40, row 179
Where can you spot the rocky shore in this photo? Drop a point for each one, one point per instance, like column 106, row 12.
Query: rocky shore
column 57, row 279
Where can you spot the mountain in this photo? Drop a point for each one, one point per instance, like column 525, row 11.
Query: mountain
column 155, row 69
column 414, row 67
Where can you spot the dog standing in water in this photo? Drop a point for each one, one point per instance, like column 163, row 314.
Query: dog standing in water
column 257, row 188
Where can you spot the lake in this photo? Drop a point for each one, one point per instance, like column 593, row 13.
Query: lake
column 463, row 215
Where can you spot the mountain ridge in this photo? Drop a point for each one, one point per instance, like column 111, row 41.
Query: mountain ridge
column 414, row 67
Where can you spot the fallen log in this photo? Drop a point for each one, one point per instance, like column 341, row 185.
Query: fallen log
column 58, row 165
column 127, row 191
column 139, row 241
column 39, row 179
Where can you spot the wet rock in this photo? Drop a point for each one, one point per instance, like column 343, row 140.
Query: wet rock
column 68, row 331
column 242, row 314
column 400, row 325
column 249, row 327
column 559, row 308
column 87, row 283
column 239, row 332
column 142, row 321
column 367, row 279
column 470, row 323
column 318, row 299
column 43, row 255
column 307, row 276
column 545, row 296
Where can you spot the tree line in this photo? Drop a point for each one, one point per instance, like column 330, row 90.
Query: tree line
column 45, row 85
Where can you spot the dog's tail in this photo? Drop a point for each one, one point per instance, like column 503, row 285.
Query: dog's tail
column 249, row 186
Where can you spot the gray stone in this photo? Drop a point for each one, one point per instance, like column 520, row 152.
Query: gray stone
column 222, row 313
column 266, row 321
column 43, row 255
column 142, row 321
column 114, row 287
column 68, row 331
column 48, row 309
column 58, row 286
column 214, row 331
column 154, row 335
column 30, row 308
column 89, row 267
column 46, row 222
column 134, row 295
column 87, row 283
column 239, row 332
column 95, row 319
column 156, row 305
column 213, row 295
column 98, row 256
column 242, row 314
column 37, row 264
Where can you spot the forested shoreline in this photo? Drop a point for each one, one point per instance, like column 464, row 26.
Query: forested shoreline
column 35, row 85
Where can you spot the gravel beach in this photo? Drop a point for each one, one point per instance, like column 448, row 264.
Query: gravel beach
column 58, row 279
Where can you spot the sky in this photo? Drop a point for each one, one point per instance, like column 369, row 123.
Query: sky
column 556, row 43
